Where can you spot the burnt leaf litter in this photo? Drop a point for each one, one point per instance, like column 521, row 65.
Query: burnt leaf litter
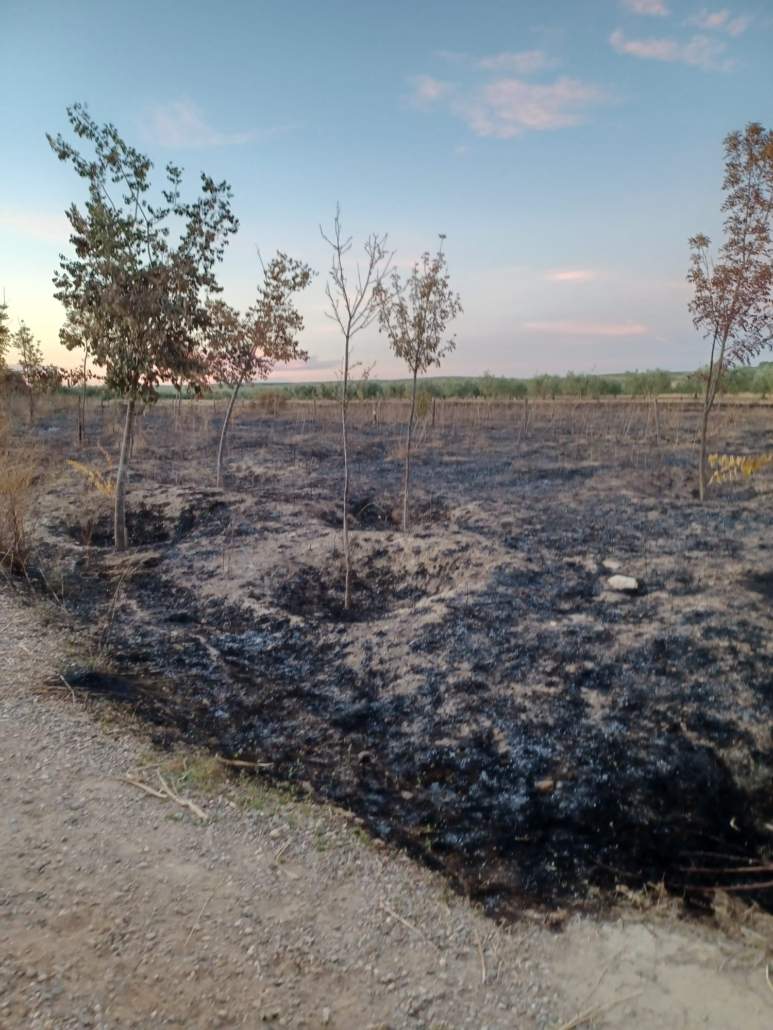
column 488, row 705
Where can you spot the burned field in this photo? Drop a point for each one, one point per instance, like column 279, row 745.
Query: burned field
column 490, row 704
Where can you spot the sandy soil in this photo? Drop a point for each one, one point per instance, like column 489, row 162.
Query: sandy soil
column 118, row 909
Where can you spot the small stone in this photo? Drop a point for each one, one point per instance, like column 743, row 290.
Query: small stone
column 325, row 1016
column 623, row 584
column 611, row 564
column 546, row 786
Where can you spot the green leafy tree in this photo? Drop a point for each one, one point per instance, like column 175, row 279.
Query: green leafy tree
column 732, row 302
column 141, row 267
column 414, row 315
column 247, row 347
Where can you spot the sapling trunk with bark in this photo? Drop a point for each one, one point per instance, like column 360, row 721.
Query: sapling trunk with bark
column 224, row 432
column 345, row 448
column 122, row 478
column 408, row 441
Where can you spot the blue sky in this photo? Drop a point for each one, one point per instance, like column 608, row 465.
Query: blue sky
column 567, row 150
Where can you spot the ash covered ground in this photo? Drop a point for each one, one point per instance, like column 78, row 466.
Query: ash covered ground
column 489, row 704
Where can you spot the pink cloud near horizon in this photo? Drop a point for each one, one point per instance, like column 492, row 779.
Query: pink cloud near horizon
column 571, row 275
column 570, row 327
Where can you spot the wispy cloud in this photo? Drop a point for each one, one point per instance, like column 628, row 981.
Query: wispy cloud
column 182, row 124
column 699, row 52
column 427, row 90
column 571, row 275
column 508, row 107
column 517, row 62
column 573, row 328
column 654, row 8
column 492, row 96
column 37, row 225
column 522, row 62
column 721, row 21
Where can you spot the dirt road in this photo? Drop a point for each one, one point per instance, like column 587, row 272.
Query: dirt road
column 121, row 909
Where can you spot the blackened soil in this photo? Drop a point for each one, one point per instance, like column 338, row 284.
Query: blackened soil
column 532, row 734
column 377, row 513
column 147, row 525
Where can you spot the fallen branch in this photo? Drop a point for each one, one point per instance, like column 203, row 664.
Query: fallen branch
column 166, row 794
column 183, row 802
column 415, row 929
column 143, row 786
column 68, row 685
column 280, row 851
column 766, row 885
column 198, row 919
column 239, row 763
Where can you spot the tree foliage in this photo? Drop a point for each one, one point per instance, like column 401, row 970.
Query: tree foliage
column 415, row 314
column 246, row 347
column 141, row 266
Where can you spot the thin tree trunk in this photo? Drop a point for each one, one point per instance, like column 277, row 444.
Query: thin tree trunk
column 704, row 435
column 82, row 405
column 712, row 385
column 224, row 432
column 657, row 423
column 121, row 540
column 407, row 471
column 345, row 436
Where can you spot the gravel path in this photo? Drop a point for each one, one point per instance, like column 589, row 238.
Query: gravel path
column 119, row 909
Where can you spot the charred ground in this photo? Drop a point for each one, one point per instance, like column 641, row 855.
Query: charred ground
column 489, row 704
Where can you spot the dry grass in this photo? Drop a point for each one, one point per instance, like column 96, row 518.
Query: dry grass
column 21, row 466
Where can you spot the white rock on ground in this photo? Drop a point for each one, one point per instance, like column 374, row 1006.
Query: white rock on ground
column 623, row 584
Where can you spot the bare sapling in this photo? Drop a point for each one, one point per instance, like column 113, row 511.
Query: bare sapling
column 246, row 347
column 415, row 315
column 353, row 305
column 732, row 303
column 139, row 273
